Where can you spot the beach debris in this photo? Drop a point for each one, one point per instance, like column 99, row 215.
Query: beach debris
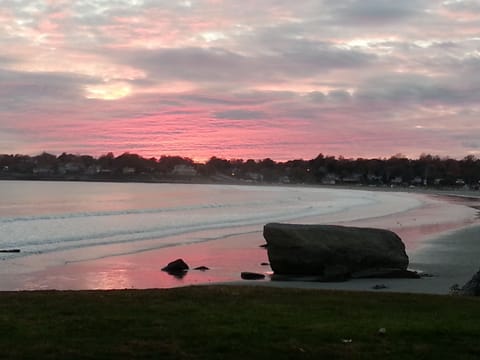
column 379, row 287
column 176, row 267
column 347, row 341
column 265, row 264
column 246, row 275
column 472, row 287
column 201, row 268
column 382, row 331
column 9, row 250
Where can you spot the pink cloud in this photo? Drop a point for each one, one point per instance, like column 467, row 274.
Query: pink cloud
column 276, row 79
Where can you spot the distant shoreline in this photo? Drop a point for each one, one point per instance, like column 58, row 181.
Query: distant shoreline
column 450, row 192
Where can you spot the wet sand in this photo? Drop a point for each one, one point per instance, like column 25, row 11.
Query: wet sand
column 442, row 237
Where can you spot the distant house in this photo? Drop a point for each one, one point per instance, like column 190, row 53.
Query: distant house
column 93, row 170
column 330, row 179
column 398, row 180
column 184, row 170
column 417, row 180
column 353, row 179
column 254, row 176
column 103, row 171
column 372, row 178
column 42, row 170
column 70, row 168
column 127, row 170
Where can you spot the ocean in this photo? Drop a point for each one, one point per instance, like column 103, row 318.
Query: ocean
column 86, row 235
column 39, row 217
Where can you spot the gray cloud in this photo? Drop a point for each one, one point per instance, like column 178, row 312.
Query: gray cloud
column 5, row 60
column 220, row 65
column 414, row 89
column 240, row 114
column 339, row 95
column 24, row 89
column 378, row 11
column 317, row 96
column 238, row 98
column 472, row 6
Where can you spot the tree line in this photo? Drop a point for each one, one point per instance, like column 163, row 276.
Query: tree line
column 427, row 170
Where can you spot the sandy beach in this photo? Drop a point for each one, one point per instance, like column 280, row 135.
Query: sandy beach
column 441, row 236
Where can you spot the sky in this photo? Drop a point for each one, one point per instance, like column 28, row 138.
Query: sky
column 281, row 79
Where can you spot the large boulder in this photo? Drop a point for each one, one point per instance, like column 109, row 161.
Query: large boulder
column 332, row 252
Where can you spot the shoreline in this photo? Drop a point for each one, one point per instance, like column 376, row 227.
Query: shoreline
column 447, row 254
column 427, row 230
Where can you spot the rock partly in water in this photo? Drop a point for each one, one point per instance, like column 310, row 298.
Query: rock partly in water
column 334, row 253
column 245, row 275
column 472, row 287
column 201, row 268
column 176, row 267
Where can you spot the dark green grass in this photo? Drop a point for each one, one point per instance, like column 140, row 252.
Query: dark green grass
column 236, row 323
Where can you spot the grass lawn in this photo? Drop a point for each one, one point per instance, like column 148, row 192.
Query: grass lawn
column 226, row 322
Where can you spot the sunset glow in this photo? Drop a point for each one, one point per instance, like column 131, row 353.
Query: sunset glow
column 240, row 79
column 108, row 91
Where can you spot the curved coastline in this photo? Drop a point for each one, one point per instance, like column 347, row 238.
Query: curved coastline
column 429, row 225
column 444, row 245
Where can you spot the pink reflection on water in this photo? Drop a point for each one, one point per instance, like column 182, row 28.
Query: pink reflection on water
column 226, row 259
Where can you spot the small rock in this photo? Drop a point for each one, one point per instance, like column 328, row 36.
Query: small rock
column 379, row 287
column 176, row 267
column 201, row 268
column 245, row 275
column 9, row 250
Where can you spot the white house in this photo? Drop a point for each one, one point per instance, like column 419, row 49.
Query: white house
column 184, row 170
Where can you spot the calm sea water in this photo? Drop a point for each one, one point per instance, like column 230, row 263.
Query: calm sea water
column 46, row 217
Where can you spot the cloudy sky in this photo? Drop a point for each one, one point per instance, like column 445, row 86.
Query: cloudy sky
column 240, row 79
